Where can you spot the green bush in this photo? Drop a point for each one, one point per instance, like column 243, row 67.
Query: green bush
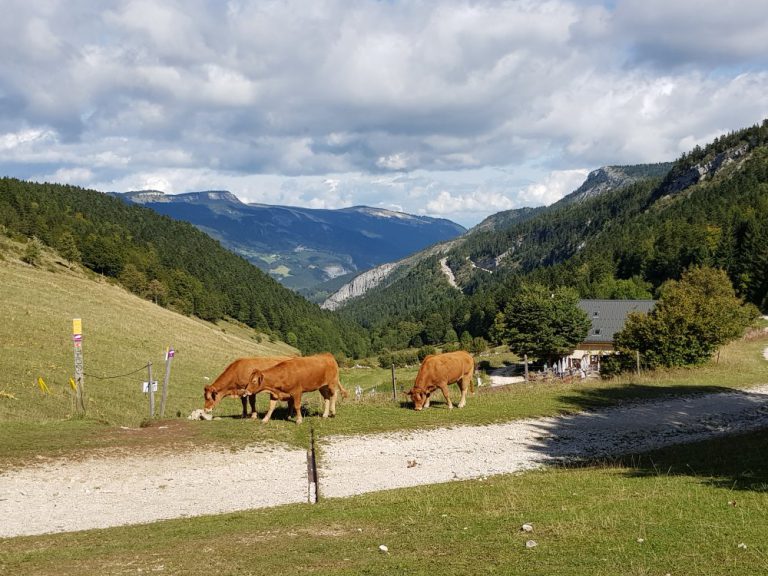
column 425, row 351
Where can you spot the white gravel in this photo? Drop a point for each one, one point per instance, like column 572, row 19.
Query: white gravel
column 60, row 496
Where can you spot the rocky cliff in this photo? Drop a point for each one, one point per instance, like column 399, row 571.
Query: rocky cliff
column 359, row 285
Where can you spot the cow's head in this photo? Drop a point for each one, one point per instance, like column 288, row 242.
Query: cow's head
column 418, row 396
column 212, row 397
column 255, row 382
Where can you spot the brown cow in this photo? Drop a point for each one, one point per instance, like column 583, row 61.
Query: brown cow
column 292, row 377
column 234, row 380
column 439, row 370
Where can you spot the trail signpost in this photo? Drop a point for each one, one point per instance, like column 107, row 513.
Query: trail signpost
column 77, row 340
column 151, row 388
column 169, row 354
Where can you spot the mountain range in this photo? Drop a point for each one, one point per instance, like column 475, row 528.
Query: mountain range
column 598, row 182
column 301, row 247
column 622, row 234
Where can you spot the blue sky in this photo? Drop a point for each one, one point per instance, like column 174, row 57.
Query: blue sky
column 456, row 109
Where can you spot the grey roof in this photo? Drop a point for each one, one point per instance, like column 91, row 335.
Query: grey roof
column 608, row 316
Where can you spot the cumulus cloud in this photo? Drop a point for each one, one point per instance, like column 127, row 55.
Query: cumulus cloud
column 477, row 201
column 556, row 185
column 271, row 99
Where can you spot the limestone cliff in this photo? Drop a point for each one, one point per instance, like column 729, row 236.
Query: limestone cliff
column 359, row 285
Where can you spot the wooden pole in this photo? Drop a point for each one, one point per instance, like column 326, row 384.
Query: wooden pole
column 394, row 384
column 77, row 339
column 169, row 354
column 525, row 360
column 637, row 360
column 151, row 391
column 312, row 495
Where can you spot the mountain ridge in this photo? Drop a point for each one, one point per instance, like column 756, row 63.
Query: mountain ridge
column 600, row 181
column 624, row 241
column 302, row 247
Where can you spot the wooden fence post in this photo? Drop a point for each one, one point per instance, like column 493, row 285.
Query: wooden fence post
column 77, row 339
column 150, row 391
column 169, row 354
column 394, row 384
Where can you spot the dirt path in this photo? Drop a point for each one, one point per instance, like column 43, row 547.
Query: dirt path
column 60, row 496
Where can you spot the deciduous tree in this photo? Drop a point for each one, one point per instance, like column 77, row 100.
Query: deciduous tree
column 542, row 323
column 693, row 317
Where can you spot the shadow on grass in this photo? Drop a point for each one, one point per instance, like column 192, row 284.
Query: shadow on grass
column 596, row 398
column 735, row 463
column 717, row 434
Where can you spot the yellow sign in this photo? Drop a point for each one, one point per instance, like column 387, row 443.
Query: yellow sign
column 77, row 326
column 43, row 387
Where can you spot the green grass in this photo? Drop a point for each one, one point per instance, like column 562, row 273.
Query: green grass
column 122, row 333
column 692, row 507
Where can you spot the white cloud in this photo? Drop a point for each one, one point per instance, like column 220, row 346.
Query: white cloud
column 15, row 140
column 72, row 175
column 478, row 202
column 556, row 185
column 273, row 99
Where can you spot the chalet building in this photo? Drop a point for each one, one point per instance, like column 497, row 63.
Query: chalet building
column 607, row 318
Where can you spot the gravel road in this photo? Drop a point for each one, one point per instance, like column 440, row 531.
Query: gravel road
column 60, row 496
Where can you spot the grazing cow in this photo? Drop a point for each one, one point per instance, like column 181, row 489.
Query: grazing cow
column 292, row 377
column 439, row 370
column 234, row 382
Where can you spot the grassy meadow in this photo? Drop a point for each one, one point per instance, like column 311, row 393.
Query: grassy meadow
column 122, row 333
column 691, row 510
column 699, row 509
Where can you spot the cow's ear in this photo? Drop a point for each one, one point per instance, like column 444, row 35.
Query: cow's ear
column 213, row 394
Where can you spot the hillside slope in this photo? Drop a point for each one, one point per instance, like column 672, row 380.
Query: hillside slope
column 169, row 262
column 121, row 334
column 491, row 232
column 711, row 208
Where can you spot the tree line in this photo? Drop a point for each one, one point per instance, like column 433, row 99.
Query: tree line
column 169, row 262
column 625, row 243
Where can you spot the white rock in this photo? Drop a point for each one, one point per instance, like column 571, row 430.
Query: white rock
column 200, row 414
column 526, row 528
column 383, row 548
column 531, row 544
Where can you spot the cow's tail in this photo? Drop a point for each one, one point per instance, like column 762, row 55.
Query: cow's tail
column 344, row 393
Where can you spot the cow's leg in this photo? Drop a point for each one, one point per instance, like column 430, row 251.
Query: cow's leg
column 444, row 387
column 426, row 402
column 244, row 400
column 463, row 386
column 326, row 394
column 296, row 397
column 329, row 401
column 252, row 401
column 272, row 404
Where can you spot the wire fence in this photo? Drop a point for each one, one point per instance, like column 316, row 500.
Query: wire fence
column 118, row 375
